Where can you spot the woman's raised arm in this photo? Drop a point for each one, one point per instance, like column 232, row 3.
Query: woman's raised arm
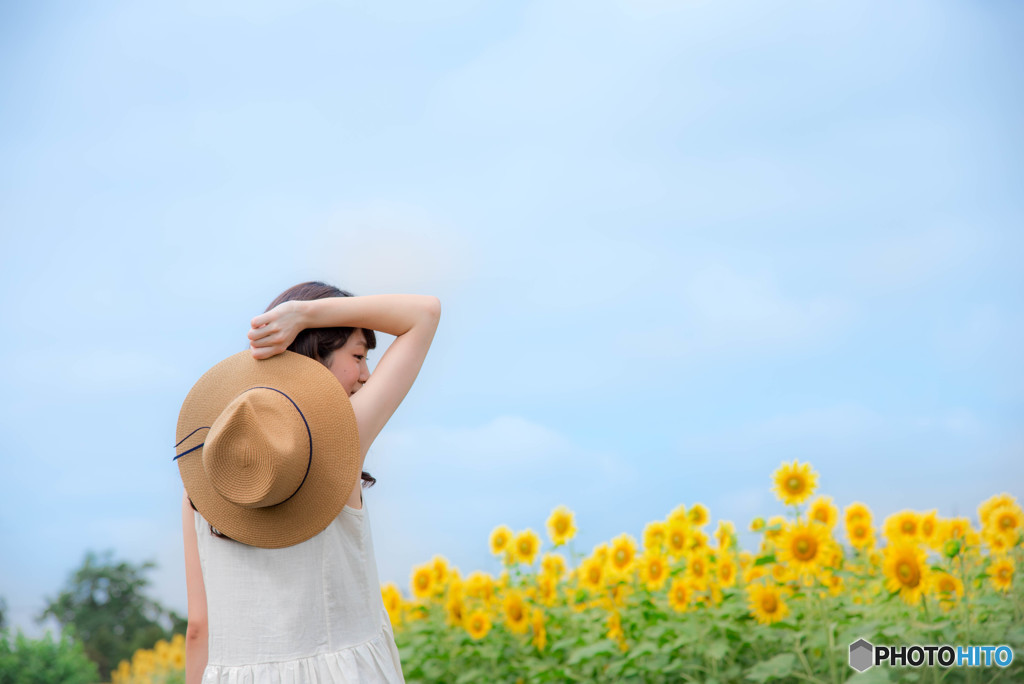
column 412, row 319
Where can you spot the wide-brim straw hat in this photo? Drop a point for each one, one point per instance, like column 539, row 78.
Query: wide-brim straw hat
column 268, row 450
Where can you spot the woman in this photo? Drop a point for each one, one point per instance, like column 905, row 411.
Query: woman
column 291, row 604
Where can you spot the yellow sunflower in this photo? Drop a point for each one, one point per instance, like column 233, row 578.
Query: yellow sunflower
column 677, row 539
column 860, row 533
column 794, row 482
column 655, row 533
column 592, row 574
column 517, row 615
column 698, row 515
column 614, row 624
column 725, row 534
column 547, row 589
column 946, row 586
column 422, row 581
column 757, row 525
column 698, row 569
column 525, row 546
column 453, row 611
column 928, row 530
column 725, row 571
column 1007, row 521
column 441, row 571
column 540, row 634
column 392, row 600
column 678, row 513
column 986, row 507
column 560, row 526
column 477, row 624
column 553, row 564
column 1001, row 574
column 479, row 585
column 501, row 538
column 906, row 570
column 824, row 511
column 767, row 603
column 902, row 526
column 776, row 524
column 653, row 570
column 802, row 547
column 857, row 512
column 600, row 553
column 680, row 595
column 622, row 557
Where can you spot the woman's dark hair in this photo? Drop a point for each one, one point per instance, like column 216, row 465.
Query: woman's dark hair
column 317, row 343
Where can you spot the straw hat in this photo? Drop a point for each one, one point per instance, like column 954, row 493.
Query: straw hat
column 268, row 449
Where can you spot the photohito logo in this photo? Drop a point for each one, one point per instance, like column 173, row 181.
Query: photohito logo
column 864, row 654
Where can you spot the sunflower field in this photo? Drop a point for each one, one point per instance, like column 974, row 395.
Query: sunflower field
column 686, row 604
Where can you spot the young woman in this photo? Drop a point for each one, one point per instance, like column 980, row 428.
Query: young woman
column 272, row 610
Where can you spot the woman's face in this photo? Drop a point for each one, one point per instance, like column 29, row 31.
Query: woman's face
column 348, row 363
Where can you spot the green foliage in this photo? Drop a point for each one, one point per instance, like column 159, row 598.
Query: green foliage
column 104, row 606
column 3, row 614
column 44, row 661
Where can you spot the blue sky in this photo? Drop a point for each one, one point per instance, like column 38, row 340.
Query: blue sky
column 676, row 243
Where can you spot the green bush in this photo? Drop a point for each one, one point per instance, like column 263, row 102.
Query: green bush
column 44, row 661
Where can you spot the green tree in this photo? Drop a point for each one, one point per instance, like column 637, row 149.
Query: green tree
column 3, row 614
column 44, row 661
column 104, row 606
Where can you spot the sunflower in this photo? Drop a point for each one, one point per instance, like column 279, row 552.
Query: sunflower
column 928, row 530
column 857, row 512
column 501, row 537
column 776, row 524
column 479, row 585
column 422, row 581
column 592, row 574
column 997, row 543
column 725, row 534
column 794, row 482
column 540, row 634
column 767, row 603
column 553, row 564
column 677, row 538
column 653, row 570
column 392, row 600
column 439, row 564
column 824, row 511
column 757, row 525
column 906, row 570
column 986, row 507
column 1001, row 574
column 517, row 615
column 622, row 557
column 725, row 571
column 803, row 547
column 698, row 569
column 698, row 515
column 477, row 624
column 902, row 526
column 860, row 533
column 547, row 589
column 655, row 533
column 453, row 611
column 946, row 586
column 680, row 595
column 560, row 526
column 525, row 546
column 600, row 553
column 614, row 625
column 1007, row 521
column 678, row 513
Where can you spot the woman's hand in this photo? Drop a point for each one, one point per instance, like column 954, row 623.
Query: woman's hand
column 274, row 330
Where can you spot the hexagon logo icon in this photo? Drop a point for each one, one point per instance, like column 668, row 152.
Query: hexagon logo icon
column 861, row 655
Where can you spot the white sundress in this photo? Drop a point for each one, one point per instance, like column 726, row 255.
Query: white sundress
column 311, row 613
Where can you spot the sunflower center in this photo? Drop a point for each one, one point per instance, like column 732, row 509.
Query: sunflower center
column 1007, row 522
column 908, row 574
column 795, row 484
column 1004, row 573
column 805, row 548
column 621, row 557
column 561, row 525
column 908, row 527
column 821, row 515
column 769, row 603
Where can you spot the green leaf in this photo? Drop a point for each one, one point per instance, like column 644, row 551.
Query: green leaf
column 764, row 560
column 717, row 649
column 779, row 666
column 601, row 647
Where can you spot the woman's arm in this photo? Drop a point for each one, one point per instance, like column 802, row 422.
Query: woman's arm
column 196, row 636
column 412, row 319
